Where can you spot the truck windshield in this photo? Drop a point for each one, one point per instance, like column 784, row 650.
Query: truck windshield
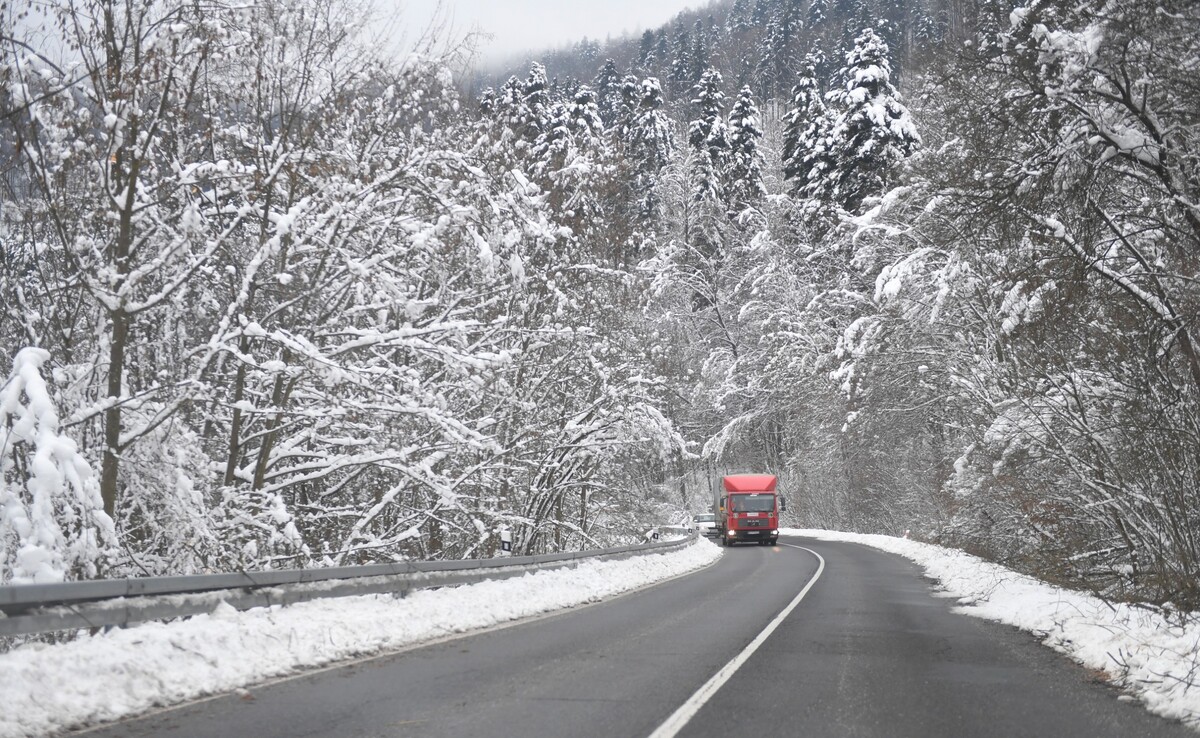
column 757, row 503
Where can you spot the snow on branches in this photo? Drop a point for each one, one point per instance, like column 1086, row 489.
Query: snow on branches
column 52, row 521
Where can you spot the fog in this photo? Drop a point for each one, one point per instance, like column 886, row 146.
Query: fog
column 513, row 26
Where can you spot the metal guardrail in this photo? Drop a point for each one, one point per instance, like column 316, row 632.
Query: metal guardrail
column 27, row 609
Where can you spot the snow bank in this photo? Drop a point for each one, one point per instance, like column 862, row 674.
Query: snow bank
column 1153, row 658
column 124, row 672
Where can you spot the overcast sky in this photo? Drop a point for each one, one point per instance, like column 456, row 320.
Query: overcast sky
column 521, row 25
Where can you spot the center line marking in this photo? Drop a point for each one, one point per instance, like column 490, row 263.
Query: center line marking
column 688, row 709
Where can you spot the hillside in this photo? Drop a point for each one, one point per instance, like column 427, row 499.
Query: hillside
column 932, row 263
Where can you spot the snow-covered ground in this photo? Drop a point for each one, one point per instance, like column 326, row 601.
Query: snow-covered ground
column 1152, row 658
column 124, row 672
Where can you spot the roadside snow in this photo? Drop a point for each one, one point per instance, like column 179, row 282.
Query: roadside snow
column 1153, row 658
column 123, row 672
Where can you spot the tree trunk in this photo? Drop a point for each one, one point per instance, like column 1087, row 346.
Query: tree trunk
column 235, row 423
column 110, row 466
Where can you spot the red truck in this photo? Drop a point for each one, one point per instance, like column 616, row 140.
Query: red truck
column 748, row 510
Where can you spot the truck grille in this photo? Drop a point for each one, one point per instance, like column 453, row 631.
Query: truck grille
column 754, row 523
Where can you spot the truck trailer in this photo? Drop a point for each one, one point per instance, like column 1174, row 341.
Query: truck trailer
column 747, row 509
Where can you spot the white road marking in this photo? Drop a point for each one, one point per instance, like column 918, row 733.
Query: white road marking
column 688, row 709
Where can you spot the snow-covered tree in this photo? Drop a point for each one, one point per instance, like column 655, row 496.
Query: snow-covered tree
column 873, row 131
column 738, row 20
column 682, row 65
column 774, row 68
column 607, row 86
column 101, row 135
column 806, row 155
column 818, row 11
column 743, row 174
column 708, row 137
column 646, row 51
column 52, row 521
column 649, row 145
column 700, row 50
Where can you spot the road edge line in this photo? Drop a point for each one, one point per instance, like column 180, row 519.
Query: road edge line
column 689, row 708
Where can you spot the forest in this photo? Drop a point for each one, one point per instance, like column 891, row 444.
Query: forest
column 278, row 297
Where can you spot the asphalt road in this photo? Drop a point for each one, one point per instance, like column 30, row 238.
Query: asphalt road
column 868, row 651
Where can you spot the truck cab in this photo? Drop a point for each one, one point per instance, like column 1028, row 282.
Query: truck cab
column 747, row 510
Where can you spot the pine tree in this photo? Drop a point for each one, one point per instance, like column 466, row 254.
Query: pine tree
column 774, row 68
column 649, row 146
column 535, row 94
column 487, row 102
column 681, row 56
column 874, row 131
column 761, row 14
column 806, row 125
column 587, row 123
column 739, row 17
column 818, row 11
column 646, row 57
column 588, row 50
column 631, row 97
column 608, row 92
column 707, row 134
column 708, row 138
column 743, row 175
column 929, row 28
column 718, row 37
column 662, row 50
column 568, row 157
column 700, row 50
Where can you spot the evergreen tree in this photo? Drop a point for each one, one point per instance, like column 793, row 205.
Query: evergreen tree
column 631, row 97
column 587, row 123
column 487, row 102
column 662, row 50
column 716, row 33
column 739, row 17
column 526, row 104
column 568, row 157
column 708, row 137
column 681, row 56
column 510, row 95
column 806, row 125
column 608, row 92
column 874, row 131
column 818, row 12
column 761, row 14
column 774, row 69
column 649, row 146
column 929, row 28
column 700, row 50
column 707, row 133
column 646, row 51
column 743, row 175
column 589, row 51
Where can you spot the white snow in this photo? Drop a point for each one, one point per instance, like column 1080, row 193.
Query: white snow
column 124, row 672
column 1152, row 657
column 52, row 521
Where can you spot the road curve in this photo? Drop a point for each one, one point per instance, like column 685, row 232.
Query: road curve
column 868, row 651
